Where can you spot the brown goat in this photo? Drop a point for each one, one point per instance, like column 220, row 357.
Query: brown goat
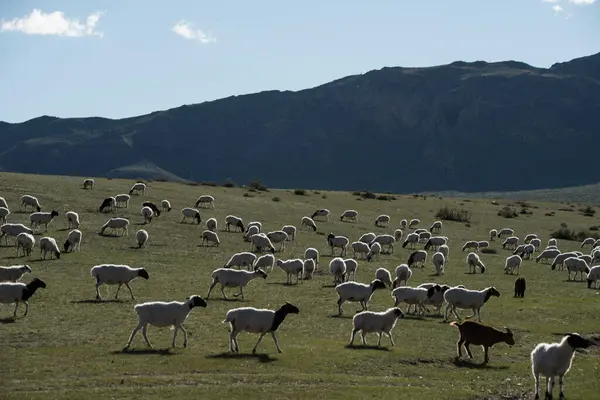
column 472, row 332
column 520, row 286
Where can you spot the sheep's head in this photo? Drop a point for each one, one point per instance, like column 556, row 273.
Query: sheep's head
column 197, row 301
column 576, row 341
column 433, row 290
column 289, row 308
column 54, row 213
column 66, row 245
column 492, row 291
column 330, row 237
column 143, row 273
column 241, row 225
column 260, row 272
column 509, row 338
column 398, row 313
column 37, row 283
column 378, row 284
column 57, row 254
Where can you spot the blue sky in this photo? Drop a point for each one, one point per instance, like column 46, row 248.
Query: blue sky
column 123, row 58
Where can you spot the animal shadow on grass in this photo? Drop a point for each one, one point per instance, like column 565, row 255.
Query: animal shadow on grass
column 141, row 352
column 96, row 301
column 8, row 320
column 284, row 283
column 328, row 286
column 263, row 358
column 367, row 347
column 63, row 229
column 471, row 365
column 345, row 316
column 112, row 236
column 229, row 299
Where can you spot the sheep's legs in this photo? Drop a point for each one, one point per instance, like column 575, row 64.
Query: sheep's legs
column 223, row 293
column 468, row 350
column 560, row 384
column 130, row 291
column 389, row 335
column 379, row 341
column 458, row 347
column 212, row 286
column 486, row 358
column 133, row 333
column 97, row 289
column 233, row 345
column 276, row 342
column 260, row 338
column 537, row 385
column 340, row 302
column 455, row 313
column 16, row 306
column 145, row 334
column 117, row 294
column 354, row 332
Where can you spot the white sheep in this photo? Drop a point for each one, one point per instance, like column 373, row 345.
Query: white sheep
column 137, row 188
column 436, row 227
column 412, row 239
column 308, row 223
column 290, row 230
column 398, row 234
column 227, row 277
column 13, row 230
column 116, row 274
column 3, row 203
column 116, row 223
column 593, row 276
column 552, row 242
column 527, row 252
column 266, row 262
column 256, row 320
column 576, row 265
column 48, row 245
column 367, row 237
column 536, row 243
column 205, row 201
column 382, row 220
column 512, row 263
column 411, row 296
column 4, row 212
column 350, row 215
column 351, row 268
column 360, row 248
column 445, row 250
column 211, row 224
column 141, row 237
column 339, row 242
column 72, row 220
column 375, row 322
column 403, row 274
column 73, row 241
column 403, row 224
column 278, row 237
column 424, row 237
column 386, row 240
column 209, row 236
column 254, row 223
column 166, row 205
column 313, row 254
column 192, row 213
column 26, row 241
column 108, row 204
column 252, row 230
column 493, row 234
column 471, row 245
column 417, row 257
column 243, row 259
column 30, row 201
column 337, row 267
column 323, row 212
column 309, row 268
column 291, row 267
column 13, row 273
column 414, row 223
column 374, row 251
column 435, row 295
column 505, row 232
column 163, row 314
column 236, row 222
column 439, row 262
column 384, row 276
column 260, row 242
column 357, row 292
column 15, row 292
column 435, row 242
column 529, row 237
column 588, row 242
column 122, row 200
column 511, row 241
column 41, row 218
column 547, row 254
column 458, row 297
column 88, row 183
column 473, row 261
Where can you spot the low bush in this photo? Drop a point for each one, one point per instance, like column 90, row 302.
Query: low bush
column 453, row 214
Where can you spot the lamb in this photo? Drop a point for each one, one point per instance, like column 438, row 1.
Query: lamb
column 166, row 205
column 190, row 213
column 261, row 242
column 505, row 232
column 386, row 240
column 73, row 241
column 309, row 268
column 445, row 250
column 493, row 234
column 147, row 213
column 13, row 273
column 529, row 237
column 467, row 299
column 555, row 359
column 25, row 241
column 48, row 245
column 153, row 207
column 255, row 320
column 337, row 267
column 233, row 278
column 575, row 264
column 350, row 215
column 351, row 267
column 108, row 204
column 520, row 286
column 376, row 322
column 471, row 245
column 438, row 262
column 360, row 248
column 398, row 234
column 141, row 237
column 266, row 261
column 205, row 201
column 4, row 212
column 209, row 236
column 291, row 267
column 382, row 220
column 403, row 274
column 3, row 203
column 527, row 251
column 512, row 263
column 254, row 223
column 552, row 242
column 116, row 223
column 419, row 256
column 116, row 274
column 472, row 332
column 473, row 261
column 243, row 259
column 42, row 218
column 211, row 224
column 384, row 276
column 235, row 221
column 412, row 239
column 588, row 242
column 290, row 230
column 548, row 254
column 410, row 296
column 537, row 244
column 435, row 295
column 15, row 292
column 163, row 314
column 435, row 242
column 30, row 201
column 72, row 220
column 308, row 223
column 313, row 254
column 278, row 237
column 88, row 183
column 13, row 230
column 560, row 259
column 436, row 227
column 424, row 237
column 414, row 223
column 338, row 241
column 510, row 241
column 357, row 292
column 323, row 212
column 137, row 188
column 403, row 224
column 122, row 200
column 374, row 251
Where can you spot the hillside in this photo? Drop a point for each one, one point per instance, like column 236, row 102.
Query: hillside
column 466, row 126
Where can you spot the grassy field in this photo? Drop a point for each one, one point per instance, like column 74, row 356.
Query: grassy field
column 69, row 346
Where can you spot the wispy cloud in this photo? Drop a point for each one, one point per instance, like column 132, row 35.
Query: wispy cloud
column 582, row 2
column 54, row 23
column 550, row 1
column 557, row 9
column 185, row 30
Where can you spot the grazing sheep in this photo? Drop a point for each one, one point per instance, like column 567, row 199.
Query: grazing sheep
column 472, row 332
column 290, row 230
column 243, row 259
column 510, row 241
column 137, row 188
column 350, row 215
column 209, row 236
column 374, row 252
column 360, row 248
column 337, row 267
column 555, row 359
column 536, row 243
column 227, row 277
column 576, row 265
column 323, row 212
column 166, row 205
column 587, row 258
column 414, row 223
column 384, row 276
column 142, row 238
column 529, row 237
column 162, row 314
column 483, row 244
column 153, row 207
column 512, row 263
column 190, row 213
column 520, row 286
column 403, row 274
column 560, row 259
column 260, row 242
column 552, row 242
column 467, row 299
column 147, row 213
column 116, row 274
column 403, row 224
column 375, row 322
column 588, row 242
column 435, row 242
column 445, row 250
column 357, row 292
column 417, row 257
column 382, row 220
column 72, row 220
column 116, row 223
column 236, row 222
column 436, row 227
column 411, row 296
column 27, row 242
column 339, row 242
column 4, row 212
column 313, row 254
column 3, row 203
column 41, row 218
column 291, row 267
column 211, row 224
column 13, row 230
column 424, row 237
column 13, row 273
column 48, row 245
column 308, row 223
column 412, row 239
column 266, row 262
column 471, row 245
column 435, row 295
column 593, row 276
column 108, row 204
column 505, row 232
column 205, row 201
column 257, row 224
column 73, row 241
column 121, row 200
column 493, row 234
column 88, row 184
column 278, row 237
column 527, row 252
column 547, row 254
column 398, row 234
column 309, row 268
column 15, row 292
column 255, row 320
column 386, row 240
column 473, row 261
column 439, row 261
column 30, row 201
column 351, row 267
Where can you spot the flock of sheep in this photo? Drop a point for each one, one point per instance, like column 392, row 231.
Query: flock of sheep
column 550, row 360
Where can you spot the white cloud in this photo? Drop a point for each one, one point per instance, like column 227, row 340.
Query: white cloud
column 557, row 8
column 582, row 2
column 184, row 29
column 550, row 1
column 54, row 23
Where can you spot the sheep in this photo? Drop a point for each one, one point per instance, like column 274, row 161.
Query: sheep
column 4, row 212
column 278, row 237
column 116, row 223
column 471, row 245
column 493, row 234
column 351, row 267
column 30, row 201
column 527, row 251
column 435, row 242
column 13, row 230
column 3, row 203
column 439, row 261
column 233, row 278
column 72, row 220
column 435, row 295
column 357, row 292
column 309, row 268
column 419, row 256
column 555, row 359
column 48, row 245
column 211, row 224
column 290, row 230
column 15, row 292
column 163, row 314
column 547, row 254
column 375, row 322
column 520, row 286
column 338, row 241
column 436, row 227
column 587, row 258
column 141, row 237
column 42, row 218
column 153, row 207
column 510, row 241
column 350, row 215
column 552, row 242
column 360, row 248
column 588, row 242
column 398, row 234
column 147, row 213
column 108, row 204
column 472, row 332
column 308, row 223
column 384, row 276
column 25, row 241
column 529, row 237
column 382, row 220
column 403, row 274
column 313, row 254
column 122, row 200
column 116, row 274
column 243, row 259
column 445, row 250
column 505, row 232
column 266, row 261
column 13, row 273
column 412, row 239
column 235, row 221
column 560, row 259
column 473, row 261
column 551, row 247
column 410, row 296
column 254, row 223
column 137, row 188
column 403, row 224
column 210, row 236
column 593, row 276
column 73, row 241
column 337, row 267
column 374, row 251
column 166, row 205
column 255, row 320
column 414, row 223
column 512, row 263
column 574, row 264
column 386, row 240
column 323, row 212
column 467, row 299
column 88, row 183
column 291, row 267
column 260, row 242
column 192, row 213
column 205, row 201
column 536, row 243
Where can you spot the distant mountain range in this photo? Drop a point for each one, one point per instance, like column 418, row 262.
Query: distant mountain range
column 464, row 126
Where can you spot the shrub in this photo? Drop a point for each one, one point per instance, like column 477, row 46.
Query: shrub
column 594, row 228
column 588, row 211
column 507, row 212
column 248, row 195
column 276, row 198
column 300, row 192
column 368, row 195
column 324, row 196
column 252, row 190
column 229, row 184
column 257, row 185
column 453, row 214
column 208, row 184
column 565, row 233
column 525, row 211
column 565, row 209
column 316, row 192
column 386, row 197
column 550, row 214
column 161, row 180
